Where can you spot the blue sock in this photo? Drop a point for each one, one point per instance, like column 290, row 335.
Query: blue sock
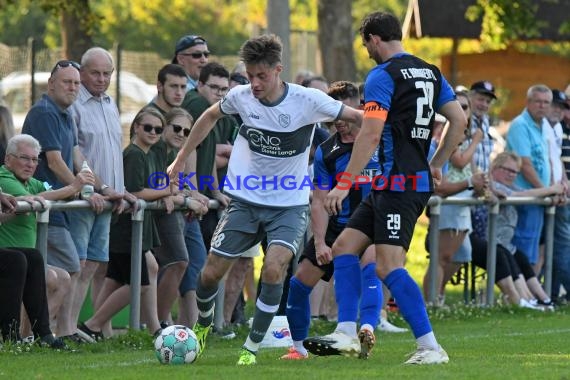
column 347, row 286
column 409, row 299
column 371, row 298
column 298, row 309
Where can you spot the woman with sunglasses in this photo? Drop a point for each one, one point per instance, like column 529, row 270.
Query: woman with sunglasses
column 174, row 255
column 455, row 220
column 140, row 162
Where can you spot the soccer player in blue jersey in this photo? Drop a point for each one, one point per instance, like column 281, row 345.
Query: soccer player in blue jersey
column 315, row 263
column 402, row 94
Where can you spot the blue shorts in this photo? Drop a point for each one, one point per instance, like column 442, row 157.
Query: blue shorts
column 90, row 234
column 196, row 256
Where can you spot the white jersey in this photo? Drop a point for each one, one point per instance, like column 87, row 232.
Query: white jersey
column 268, row 164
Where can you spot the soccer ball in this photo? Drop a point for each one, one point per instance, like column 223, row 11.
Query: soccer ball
column 176, row 344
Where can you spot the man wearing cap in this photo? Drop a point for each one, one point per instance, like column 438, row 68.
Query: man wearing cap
column 561, row 250
column 481, row 95
column 191, row 52
column 526, row 138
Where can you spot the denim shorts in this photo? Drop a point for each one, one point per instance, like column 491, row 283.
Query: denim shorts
column 90, row 234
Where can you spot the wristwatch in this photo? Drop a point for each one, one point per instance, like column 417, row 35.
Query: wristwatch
column 103, row 188
column 469, row 184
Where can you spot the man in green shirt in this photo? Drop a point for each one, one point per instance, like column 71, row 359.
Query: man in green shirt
column 16, row 179
column 19, row 231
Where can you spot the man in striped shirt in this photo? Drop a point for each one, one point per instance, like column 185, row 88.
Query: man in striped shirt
column 100, row 141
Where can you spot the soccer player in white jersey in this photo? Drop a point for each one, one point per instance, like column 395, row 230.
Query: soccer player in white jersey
column 266, row 179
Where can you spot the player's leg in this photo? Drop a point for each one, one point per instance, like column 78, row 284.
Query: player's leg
column 285, row 229
column 370, row 302
column 395, row 218
column 344, row 340
column 298, row 305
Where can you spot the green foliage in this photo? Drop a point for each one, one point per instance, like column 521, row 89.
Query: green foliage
column 505, row 21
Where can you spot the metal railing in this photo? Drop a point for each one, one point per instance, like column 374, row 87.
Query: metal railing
column 42, row 220
column 435, row 203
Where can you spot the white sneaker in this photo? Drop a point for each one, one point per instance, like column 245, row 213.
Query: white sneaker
column 386, row 326
column 428, row 356
column 527, row 305
column 337, row 343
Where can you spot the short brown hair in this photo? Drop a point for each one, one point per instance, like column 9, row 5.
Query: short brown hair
column 266, row 49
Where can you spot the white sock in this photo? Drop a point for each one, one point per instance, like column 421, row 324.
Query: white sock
column 349, row 328
column 367, row 327
column 298, row 344
column 427, row 341
column 251, row 346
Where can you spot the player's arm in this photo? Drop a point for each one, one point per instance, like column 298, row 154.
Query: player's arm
column 451, row 136
column 364, row 145
column 351, row 115
column 452, row 133
column 319, row 224
column 200, row 130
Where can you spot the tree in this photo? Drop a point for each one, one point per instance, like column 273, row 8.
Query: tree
column 278, row 16
column 505, row 21
column 336, row 39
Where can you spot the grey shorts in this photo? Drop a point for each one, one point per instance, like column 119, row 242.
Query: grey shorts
column 171, row 232
column 243, row 225
column 61, row 250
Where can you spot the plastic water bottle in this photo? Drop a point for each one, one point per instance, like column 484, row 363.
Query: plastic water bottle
column 87, row 189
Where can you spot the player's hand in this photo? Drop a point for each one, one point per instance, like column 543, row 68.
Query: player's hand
column 323, row 253
column 173, row 170
column 436, row 175
column 333, row 201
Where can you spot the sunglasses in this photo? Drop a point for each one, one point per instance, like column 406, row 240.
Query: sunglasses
column 148, row 129
column 63, row 64
column 197, row 55
column 177, row 128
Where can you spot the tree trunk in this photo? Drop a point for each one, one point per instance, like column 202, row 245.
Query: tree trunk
column 76, row 36
column 278, row 22
column 336, row 37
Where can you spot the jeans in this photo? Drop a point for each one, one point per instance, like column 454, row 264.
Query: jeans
column 196, row 256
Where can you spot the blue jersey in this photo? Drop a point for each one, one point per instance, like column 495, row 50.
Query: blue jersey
column 406, row 92
column 331, row 160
